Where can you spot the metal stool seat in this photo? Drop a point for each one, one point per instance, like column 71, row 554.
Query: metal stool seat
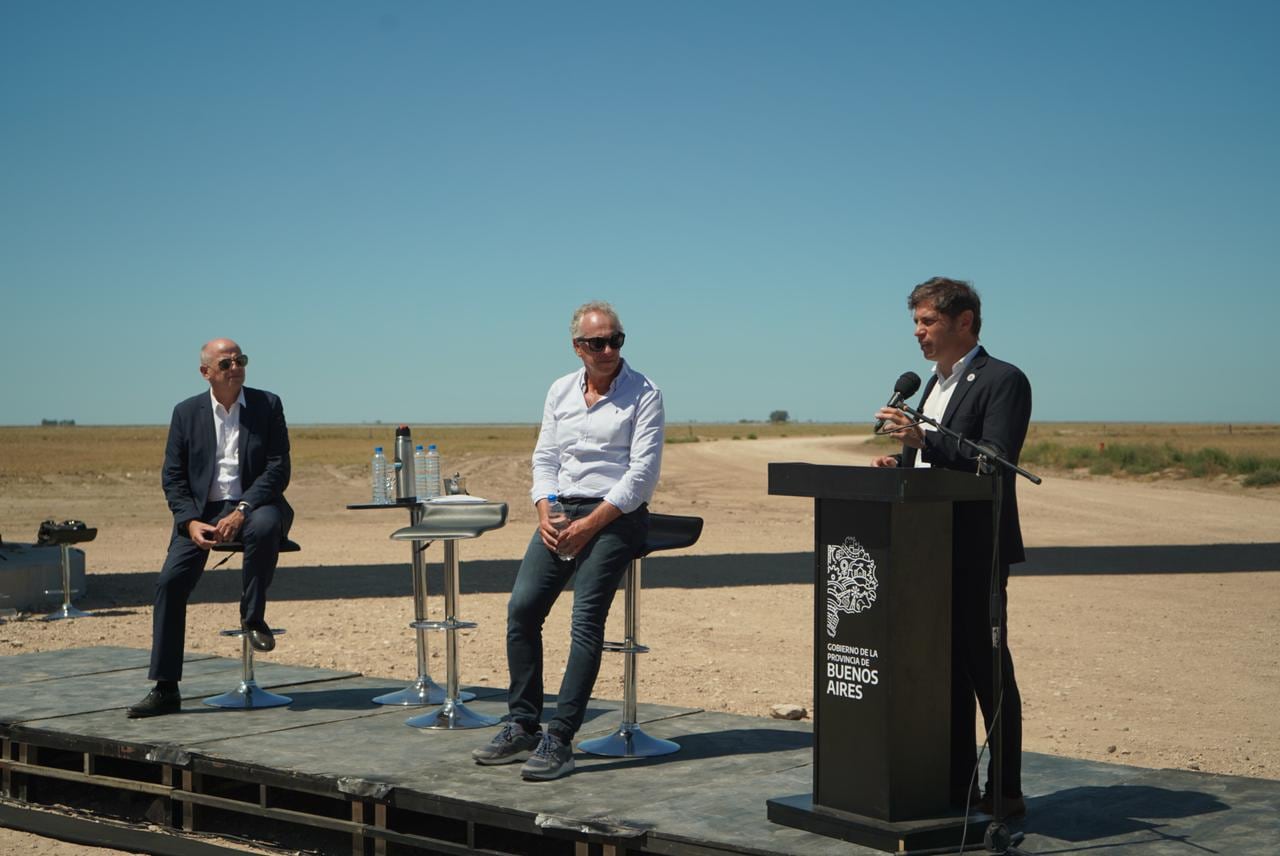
column 287, row 545
column 451, row 522
column 248, row 695
column 666, row 532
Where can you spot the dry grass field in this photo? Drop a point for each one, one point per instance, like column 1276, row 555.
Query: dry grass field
column 31, row 453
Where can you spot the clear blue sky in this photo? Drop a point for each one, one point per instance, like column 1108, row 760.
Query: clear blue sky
column 395, row 206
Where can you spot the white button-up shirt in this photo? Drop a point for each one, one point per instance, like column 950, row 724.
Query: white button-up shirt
column 611, row 450
column 226, row 470
column 935, row 406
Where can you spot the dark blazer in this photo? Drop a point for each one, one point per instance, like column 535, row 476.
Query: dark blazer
column 190, row 454
column 992, row 405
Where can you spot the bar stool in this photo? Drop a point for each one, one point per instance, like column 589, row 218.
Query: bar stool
column 64, row 536
column 248, row 696
column 451, row 522
column 666, row 532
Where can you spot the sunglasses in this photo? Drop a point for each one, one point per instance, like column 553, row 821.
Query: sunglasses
column 596, row 343
column 241, row 360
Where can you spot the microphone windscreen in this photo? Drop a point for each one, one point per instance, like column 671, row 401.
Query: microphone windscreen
column 907, row 384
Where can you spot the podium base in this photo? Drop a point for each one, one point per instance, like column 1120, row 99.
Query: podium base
column 930, row 835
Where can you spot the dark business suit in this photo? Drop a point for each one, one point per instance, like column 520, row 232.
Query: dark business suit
column 190, row 457
column 992, row 405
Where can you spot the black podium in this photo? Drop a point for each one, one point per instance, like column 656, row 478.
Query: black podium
column 881, row 654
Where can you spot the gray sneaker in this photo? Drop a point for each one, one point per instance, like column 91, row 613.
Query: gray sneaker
column 509, row 745
column 552, row 759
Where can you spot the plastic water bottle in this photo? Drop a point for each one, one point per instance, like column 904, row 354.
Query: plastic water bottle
column 431, row 466
column 380, row 477
column 558, row 520
column 420, row 473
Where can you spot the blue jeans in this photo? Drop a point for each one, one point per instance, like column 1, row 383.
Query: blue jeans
column 596, row 572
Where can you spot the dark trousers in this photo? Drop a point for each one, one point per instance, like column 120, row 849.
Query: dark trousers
column 596, row 572
column 261, row 535
column 971, row 676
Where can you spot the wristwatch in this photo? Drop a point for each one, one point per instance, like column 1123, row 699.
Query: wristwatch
column 244, row 508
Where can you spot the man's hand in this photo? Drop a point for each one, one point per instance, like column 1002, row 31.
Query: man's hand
column 228, row 527
column 885, row 461
column 548, row 533
column 204, row 535
column 575, row 537
column 898, row 425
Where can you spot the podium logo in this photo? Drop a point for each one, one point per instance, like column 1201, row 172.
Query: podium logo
column 851, row 581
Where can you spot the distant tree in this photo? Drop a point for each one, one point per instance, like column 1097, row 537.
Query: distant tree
column 779, row 416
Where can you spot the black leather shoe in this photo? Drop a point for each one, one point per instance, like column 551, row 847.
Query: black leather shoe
column 260, row 637
column 157, row 703
column 1013, row 807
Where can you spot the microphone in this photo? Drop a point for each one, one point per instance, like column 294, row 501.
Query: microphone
column 902, row 390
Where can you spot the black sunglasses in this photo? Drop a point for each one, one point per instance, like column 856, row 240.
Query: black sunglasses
column 241, row 360
column 596, row 343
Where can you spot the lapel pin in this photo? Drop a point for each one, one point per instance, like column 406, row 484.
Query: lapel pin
column 972, row 377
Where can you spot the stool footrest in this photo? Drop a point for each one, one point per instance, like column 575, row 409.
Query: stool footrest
column 443, row 625
column 624, row 648
column 239, row 631
column 59, row 591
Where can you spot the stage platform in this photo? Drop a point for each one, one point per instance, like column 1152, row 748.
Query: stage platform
column 335, row 773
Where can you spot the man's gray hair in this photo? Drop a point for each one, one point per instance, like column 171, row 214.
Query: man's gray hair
column 575, row 326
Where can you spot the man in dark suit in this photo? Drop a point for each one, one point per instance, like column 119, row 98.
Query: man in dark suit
column 988, row 401
column 226, row 465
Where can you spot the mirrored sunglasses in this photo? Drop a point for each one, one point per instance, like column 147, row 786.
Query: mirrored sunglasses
column 241, row 360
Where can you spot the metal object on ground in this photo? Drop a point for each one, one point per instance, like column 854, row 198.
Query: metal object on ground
column 64, row 535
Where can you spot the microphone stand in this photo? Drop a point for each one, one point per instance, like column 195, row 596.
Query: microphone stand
column 989, row 462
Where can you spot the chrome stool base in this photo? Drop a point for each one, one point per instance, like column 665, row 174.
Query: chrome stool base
column 423, row 691
column 629, row 741
column 67, row 611
column 453, row 715
column 248, row 696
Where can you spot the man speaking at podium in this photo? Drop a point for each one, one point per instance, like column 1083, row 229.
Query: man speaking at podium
column 988, row 401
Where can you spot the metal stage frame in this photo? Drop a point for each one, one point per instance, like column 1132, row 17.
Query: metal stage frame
column 334, row 773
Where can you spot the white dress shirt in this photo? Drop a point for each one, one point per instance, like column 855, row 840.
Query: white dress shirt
column 226, row 470
column 611, row 450
column 935, row 406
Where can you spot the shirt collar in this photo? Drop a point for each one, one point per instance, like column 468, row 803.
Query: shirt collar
column 217, row 404
column 623, row 372
column 959, row 367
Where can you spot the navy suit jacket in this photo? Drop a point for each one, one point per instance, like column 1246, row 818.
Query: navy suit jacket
column 992, row 406
column 190, row 455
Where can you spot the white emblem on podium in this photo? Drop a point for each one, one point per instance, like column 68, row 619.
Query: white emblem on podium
column 851, row 581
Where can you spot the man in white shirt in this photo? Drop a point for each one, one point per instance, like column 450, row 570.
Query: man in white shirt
column 988, row 401
column 226, row 465
column 599, row 451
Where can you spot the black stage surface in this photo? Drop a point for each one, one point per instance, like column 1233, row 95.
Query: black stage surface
column 335, row 773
